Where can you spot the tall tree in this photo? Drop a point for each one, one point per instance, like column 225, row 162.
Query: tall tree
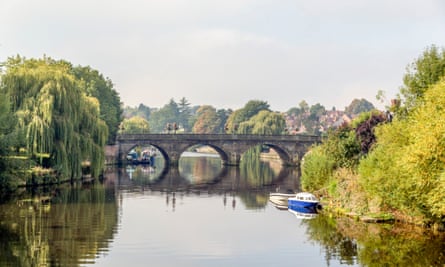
column 109, row 101
column 184, row 114
column 265, row 122
column 62, row 123
column 425, row 71
column 207, row 120
column 244, row 114
column 304, row 106
column 222, row 114
column 167, row 115
column 6, row 128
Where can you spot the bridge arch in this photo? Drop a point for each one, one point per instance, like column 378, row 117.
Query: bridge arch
column 283, row 154
column 222, row 154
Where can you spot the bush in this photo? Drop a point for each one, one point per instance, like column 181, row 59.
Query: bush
column 316, row 170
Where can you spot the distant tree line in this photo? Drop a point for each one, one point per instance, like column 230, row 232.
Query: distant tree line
column 255, row 117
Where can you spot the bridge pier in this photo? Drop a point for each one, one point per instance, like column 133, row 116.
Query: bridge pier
column 173, row 159
column 234, row 159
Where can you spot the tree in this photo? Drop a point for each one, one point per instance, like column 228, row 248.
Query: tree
column 168, row 114
column 252, row 108
column 316, row 111
column 304, row 106
column 109, row 101
column 425, row 71
column 294, row 111
column 61, row 122
column 405, row 170
column 135, row 125
column 7, row 123
column 141, row 111
column 207, row 120
column 244, row 114
column 265, row 122
column 184, row 113
column 222, row 114
column 358, row 106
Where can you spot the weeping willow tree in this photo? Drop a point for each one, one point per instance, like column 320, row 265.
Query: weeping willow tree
column 244, row 120
column 265, row 122
column 62, row 124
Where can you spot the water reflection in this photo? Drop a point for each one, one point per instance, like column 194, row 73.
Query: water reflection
column 251, row 182
column 159, row 214
column 61, row 226
column 354, row 242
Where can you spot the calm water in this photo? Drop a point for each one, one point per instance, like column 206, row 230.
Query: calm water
column 199, row 214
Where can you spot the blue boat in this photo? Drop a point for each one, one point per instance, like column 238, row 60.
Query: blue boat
column 303, row 202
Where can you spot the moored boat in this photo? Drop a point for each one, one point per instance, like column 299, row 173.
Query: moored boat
column 279, row 200
column 303, row 201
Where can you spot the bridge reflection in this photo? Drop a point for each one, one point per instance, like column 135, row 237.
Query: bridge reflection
column 171, row 179
column 229, row 183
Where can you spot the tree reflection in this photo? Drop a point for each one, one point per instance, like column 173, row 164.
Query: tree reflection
column 251, row 182
column 255, row 171
column 353, row 242
column 62, row 227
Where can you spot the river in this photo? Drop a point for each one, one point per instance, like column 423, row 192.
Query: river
column 199, row 214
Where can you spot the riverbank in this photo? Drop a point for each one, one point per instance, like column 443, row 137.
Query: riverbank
column 346, row 198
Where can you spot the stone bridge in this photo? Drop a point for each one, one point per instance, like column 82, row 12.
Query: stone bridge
column 230, row 147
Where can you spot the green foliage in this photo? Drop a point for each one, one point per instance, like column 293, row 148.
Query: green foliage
column 56, row 113
column 406, row 168
column 358, row 106
column 256, row 172
column 425, row 71
column 372, row 245
column 317, row 169
column 168, row 114
column 11, row 174
column 265, row 122
column 197, row 119
column 184, row 114
column 109, row 101
column 223, row 115
column 233, row 122
column 135, row 125
column 313, row 119
column 342, row 147
column 141, row 111
column 6, row 125
column 39, row 238
column 252, row 108
column 332, row 165
column 243, row 115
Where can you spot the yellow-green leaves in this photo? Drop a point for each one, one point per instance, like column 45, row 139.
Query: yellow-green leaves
column 59, row 118
column 407, row 168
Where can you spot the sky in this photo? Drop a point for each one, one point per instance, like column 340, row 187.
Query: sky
column 226, row 52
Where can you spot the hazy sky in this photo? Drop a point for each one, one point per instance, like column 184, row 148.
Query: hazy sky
column 227, row 52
